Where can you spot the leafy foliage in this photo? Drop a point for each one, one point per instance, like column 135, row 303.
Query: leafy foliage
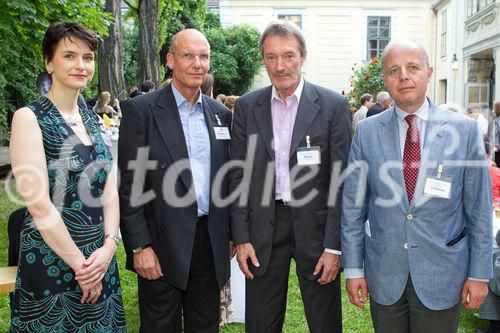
column 22, row 27
column 130, row 55
column 366, row 80
column 235, row 58
column 174, row 16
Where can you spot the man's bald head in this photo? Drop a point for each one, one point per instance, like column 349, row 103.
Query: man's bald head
column 407, row 44
column 186, row 35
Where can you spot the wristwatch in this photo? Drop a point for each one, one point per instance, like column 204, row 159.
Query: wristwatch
column 139, row 249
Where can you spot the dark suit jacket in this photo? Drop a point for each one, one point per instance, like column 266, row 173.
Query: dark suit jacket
column 374, row 109
column 152, row 120
column 323, row 115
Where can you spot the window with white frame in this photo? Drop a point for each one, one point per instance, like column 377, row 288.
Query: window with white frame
column 474, row 6
column 294, row 18
column 444, row 28
column 378, row 35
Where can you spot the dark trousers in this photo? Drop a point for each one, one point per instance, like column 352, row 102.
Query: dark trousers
column 265, row 297
column 409, row 315
column 162, row 305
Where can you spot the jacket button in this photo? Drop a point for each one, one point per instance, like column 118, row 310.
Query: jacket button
column 163, row 166
column 409, row 217
column 406, row 246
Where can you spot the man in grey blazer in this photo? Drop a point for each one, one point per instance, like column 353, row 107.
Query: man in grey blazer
column 416, row 209
column 290, row 136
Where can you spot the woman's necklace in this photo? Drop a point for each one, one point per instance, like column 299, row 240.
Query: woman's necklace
column 72, row 122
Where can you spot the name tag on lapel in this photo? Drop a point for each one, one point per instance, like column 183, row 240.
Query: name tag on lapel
column 438, row 187
column 222, row 133
column 308, row 156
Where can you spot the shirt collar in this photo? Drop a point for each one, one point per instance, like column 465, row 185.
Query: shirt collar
column 422, row 113
column 297, row 93
column 180, row 99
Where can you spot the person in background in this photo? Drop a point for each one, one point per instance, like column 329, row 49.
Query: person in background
column 117, row 114
column 133, row 91
column 366, row 103
column 490, row 309
column 147, row 86
column 230, row 102
column 207, row 87
column 102, row 106
column 221, row 98
column 384, row 102
column 474, row 112
column 496, row 132
column 67, row 277
column 43, row 83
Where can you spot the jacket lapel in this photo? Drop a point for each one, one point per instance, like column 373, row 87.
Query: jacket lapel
column 389, row 143
column 169, row 124
column 216, row 146
column 264, row 121
column 434, row 143
column 306, row 113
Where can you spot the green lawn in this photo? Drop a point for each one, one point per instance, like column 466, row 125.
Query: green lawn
column 354, row 320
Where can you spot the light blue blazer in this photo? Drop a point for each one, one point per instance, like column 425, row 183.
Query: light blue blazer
column 423, row 238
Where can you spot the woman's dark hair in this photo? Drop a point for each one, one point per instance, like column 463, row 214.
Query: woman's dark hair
column 60, row 30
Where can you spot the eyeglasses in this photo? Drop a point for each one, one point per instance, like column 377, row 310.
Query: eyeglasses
column 186, row 56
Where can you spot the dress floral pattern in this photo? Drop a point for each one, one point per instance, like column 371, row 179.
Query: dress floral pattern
column 47, row 297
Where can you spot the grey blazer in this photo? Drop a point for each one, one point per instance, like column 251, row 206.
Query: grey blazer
column 439, row 242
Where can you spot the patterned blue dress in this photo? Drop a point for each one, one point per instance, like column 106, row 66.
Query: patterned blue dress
column 47, row 297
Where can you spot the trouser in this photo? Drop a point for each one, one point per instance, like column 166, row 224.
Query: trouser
column 265, row 299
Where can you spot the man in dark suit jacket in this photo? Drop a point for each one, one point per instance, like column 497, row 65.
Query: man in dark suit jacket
column 383, row 103
column 172, row 143
column 295, row 133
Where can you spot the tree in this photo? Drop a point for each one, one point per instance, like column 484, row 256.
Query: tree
column 366, row 80
column 149, row 59
column 22, row 27
column 235, row 55
column 110, row 54
column 235, row 58
column 175, row 16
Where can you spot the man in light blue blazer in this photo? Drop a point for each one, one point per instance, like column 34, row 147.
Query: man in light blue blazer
column 416, row 209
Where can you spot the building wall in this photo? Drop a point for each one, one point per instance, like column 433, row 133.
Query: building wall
column 336, row 31
column 475, row 40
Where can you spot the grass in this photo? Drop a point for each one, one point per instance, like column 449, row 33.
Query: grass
column 354, row 320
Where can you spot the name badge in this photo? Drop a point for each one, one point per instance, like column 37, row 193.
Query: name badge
column 438, row 187
column 308, row 156
column 222, row 133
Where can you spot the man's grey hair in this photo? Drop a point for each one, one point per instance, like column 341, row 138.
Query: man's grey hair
column 407, row 43
column 284, row 29
column 383, row 96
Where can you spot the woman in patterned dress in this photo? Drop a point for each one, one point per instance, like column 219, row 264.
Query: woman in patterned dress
column 67, row 279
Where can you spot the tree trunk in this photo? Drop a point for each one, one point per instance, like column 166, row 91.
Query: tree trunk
column 110, row 55
column 149, row 58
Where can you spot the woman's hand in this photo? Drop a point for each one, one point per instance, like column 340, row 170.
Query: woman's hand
column 94, row 268
column 90, row 293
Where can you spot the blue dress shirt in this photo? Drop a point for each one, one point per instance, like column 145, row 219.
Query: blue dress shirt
column 198, row 147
